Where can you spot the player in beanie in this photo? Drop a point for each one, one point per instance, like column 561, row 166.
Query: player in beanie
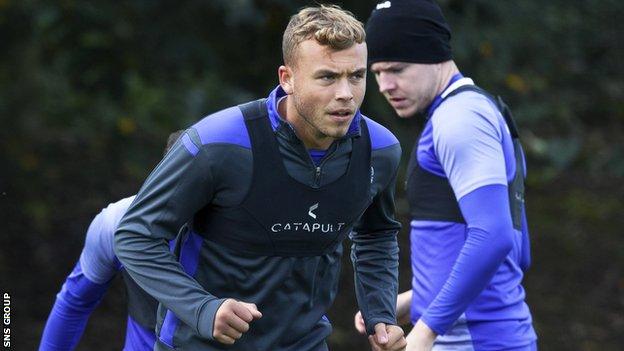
column 465, row 186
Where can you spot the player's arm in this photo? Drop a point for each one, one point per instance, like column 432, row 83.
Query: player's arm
column 404, row 304
column 470, row 151
column 83, row 289
column 181, row 184
column 374, row 250
column 74, row 303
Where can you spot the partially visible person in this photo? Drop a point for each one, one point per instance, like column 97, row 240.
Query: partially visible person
column 270, row 190
column 88, row 282
column 465, row 187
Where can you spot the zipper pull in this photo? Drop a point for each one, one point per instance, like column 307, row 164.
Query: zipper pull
column 318, row 175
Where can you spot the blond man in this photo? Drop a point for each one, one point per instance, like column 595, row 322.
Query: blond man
column 270, row 190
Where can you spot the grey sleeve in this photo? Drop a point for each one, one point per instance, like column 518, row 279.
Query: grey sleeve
column 374, row 250
column 177, row 188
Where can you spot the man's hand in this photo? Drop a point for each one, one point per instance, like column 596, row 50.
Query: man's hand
column 232, row 320
column 404, row 301
column 387, row 338
column 421, row 337
column 359, row 323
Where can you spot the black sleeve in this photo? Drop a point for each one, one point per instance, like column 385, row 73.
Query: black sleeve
column 374, row 250
column 179, row 186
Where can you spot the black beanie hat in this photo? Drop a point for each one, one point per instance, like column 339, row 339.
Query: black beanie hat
column 408, row 31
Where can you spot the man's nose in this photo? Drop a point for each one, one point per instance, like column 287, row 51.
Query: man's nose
column 386, row 82
column 344, row 90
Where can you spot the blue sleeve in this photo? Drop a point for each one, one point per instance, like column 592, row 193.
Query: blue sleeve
column 74, row 303
column 468, row 136
column 489, row 239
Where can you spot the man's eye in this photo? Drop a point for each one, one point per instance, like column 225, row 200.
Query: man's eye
column 358, row 76
column 327, row 78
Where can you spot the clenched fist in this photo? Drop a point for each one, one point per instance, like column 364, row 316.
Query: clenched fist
column 387, row 338
column 232, row 320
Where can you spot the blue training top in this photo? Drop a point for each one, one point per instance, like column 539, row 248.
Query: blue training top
column 467, row 277
column 85, row 286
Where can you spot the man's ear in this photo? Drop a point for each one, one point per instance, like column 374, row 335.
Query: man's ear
column 285, row 74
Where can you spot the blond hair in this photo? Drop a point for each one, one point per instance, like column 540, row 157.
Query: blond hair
column 327, row 24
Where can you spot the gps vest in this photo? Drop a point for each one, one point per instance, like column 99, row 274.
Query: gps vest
column 281, row 216
column 431, row 197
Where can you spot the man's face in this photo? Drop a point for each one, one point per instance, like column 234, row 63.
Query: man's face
column 409, row 87
column 326, row 87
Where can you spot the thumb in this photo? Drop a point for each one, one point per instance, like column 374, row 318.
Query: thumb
column 253, row 309
column 359, row 323
column 380, row 333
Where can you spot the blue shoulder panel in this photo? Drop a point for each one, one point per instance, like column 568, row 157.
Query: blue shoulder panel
column 225, row 126
column 380, row 136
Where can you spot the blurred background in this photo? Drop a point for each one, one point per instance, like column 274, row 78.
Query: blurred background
column 89, row 91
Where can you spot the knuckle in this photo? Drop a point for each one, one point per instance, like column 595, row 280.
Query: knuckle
column 247, row 318
column 219, row 325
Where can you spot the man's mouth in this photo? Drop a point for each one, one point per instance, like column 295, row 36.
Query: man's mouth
column 341, row 114
column 397, row 102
